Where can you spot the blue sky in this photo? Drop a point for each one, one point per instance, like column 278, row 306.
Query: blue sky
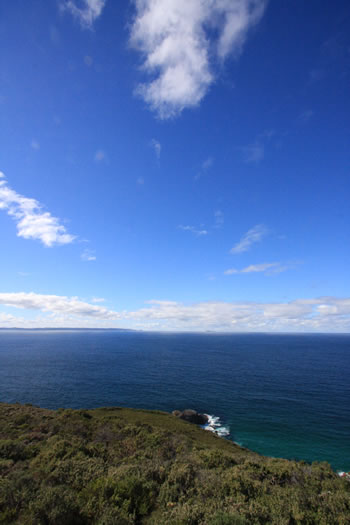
column 175, row 165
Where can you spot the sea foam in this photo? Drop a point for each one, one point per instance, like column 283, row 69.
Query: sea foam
column 214, row 425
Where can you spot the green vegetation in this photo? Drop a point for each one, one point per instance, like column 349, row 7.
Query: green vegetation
column 121, row 466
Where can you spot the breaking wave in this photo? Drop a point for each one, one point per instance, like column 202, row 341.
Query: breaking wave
column 214, row 425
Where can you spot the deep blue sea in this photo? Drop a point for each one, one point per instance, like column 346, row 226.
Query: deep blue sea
column 280, row 395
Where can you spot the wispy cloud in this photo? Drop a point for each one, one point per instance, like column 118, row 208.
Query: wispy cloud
column 100, row 155
column 254, row 268
column 253, row 153
column 176, row 39
column 35, row 145
column 266, row 268
column 32, row 222
column 254, row 235
column 85, row 11
column 219, row 219
column 315, row 75
column 193, row 229
column 206, row 165
column 305, row 116
column 157, row 147
column 88, row 60
column 88, row 255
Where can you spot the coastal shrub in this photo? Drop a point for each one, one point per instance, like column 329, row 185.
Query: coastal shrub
column 180, row 481
column 222, row 518
column 131, row 467
column 55, row 506
column 114, row 516
column 136, row 495
column 14, row 449
column 217, row 459
column 189, row 513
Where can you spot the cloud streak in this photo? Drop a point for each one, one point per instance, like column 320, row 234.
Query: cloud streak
column 87, row 13
column 157, row 147
column 194, row 230
column 266, row 268
column 205, row 167
column 179, row 49
column 254, row 235
column 32, row 222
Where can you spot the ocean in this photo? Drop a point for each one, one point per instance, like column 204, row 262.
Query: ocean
column 280, row 395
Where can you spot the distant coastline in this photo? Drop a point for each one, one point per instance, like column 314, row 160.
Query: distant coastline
column 189, row 332
column 66, row 329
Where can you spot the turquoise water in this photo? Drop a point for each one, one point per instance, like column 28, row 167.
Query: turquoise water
column 281, row 395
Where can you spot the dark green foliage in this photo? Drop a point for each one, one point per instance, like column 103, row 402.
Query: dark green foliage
column 228, row 519
column 117, row 466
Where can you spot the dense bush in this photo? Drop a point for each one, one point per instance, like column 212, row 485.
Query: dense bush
column 126, row 467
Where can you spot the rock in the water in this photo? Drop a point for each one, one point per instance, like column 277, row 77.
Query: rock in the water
column 192, row 416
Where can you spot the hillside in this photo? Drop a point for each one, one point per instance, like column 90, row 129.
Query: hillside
column 123, row 466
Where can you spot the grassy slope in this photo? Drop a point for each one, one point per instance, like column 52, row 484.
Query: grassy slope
column 122, row 466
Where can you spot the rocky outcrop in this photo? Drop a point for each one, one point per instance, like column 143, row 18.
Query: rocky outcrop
column 191, row 416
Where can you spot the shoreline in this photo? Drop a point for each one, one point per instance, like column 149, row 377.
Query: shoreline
column 213, row 426
column 146, row 467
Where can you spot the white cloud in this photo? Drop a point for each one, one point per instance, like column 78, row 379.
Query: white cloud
column 179, row 38
column 98, row 300
column 299, row 315
column 329, row 314
column 157, row 147
column 88, row 255
column 32, row 222
column 86, row 13
column 56, row 304
column 194, row 230
column 266, row 268
column 252, row 236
